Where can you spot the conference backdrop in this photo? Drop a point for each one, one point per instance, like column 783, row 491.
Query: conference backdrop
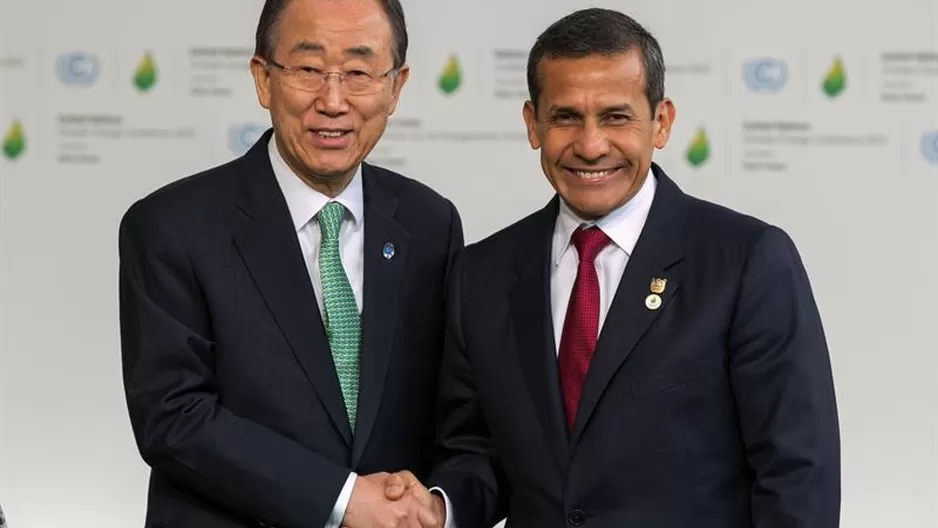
column 820, row 116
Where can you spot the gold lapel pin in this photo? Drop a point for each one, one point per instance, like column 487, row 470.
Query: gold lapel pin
column 658, row 285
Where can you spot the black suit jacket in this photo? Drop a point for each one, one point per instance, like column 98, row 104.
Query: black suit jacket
column 229, row 379
column 716, row 410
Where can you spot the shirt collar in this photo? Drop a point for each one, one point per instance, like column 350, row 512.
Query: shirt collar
column 622, row 225
column 304, row 202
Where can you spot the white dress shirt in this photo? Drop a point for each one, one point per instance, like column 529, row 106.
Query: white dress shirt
column 305, row 203
column 623, row 226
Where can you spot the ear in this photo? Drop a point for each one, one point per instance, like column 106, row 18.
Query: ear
column 530, row 121
column 664, row 119
column 262, row 81
column 400, row 79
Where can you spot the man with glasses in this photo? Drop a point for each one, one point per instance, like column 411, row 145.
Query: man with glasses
column 282, row 314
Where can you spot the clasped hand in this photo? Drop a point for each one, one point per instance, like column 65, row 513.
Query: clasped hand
column 398, row 500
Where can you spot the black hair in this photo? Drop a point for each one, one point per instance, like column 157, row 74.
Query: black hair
column 598, row 31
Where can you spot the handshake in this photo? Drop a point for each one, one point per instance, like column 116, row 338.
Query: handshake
column 398, row 500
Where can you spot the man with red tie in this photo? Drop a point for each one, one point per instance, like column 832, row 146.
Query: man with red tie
column 629, row 355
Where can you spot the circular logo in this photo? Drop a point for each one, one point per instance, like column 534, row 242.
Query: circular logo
column 78, row 69
column 765, row 75
column 929, row 147
column 653, row 301
column 243, row 136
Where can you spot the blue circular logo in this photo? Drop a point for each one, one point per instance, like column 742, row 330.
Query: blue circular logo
column 929, row 147
column 765, row 75
column 243, row 136
column 78, row 69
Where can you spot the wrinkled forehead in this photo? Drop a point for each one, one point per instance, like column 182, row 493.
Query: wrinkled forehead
column 335, row 29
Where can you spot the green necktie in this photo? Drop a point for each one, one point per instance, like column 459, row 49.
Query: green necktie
column 343, row 326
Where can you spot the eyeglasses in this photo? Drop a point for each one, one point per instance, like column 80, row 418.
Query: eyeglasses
column 309, row 79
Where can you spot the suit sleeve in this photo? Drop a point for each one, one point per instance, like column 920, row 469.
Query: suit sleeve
column 467, row 470
column 182, row 429
column 781, row 376
column 457, row 239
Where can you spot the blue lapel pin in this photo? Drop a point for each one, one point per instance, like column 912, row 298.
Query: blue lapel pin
column 388, row 251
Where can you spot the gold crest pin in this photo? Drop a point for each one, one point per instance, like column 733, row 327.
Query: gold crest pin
column 658, row 285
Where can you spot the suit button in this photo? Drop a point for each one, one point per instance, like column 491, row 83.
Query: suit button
column 576, row 518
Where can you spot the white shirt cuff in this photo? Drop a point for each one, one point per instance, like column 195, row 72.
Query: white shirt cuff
column 450, row 520
column 338, row 511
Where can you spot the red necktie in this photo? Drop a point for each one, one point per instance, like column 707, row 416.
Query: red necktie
column 581, row 324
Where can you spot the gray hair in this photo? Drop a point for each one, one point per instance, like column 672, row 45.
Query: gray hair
column 265, row 38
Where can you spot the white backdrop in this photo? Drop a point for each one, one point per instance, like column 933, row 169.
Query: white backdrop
column 89, row 125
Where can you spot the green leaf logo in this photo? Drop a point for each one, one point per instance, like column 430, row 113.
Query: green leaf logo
column 451, row 77
column 14, row 141
column 835, row 80
column 699, row 149
column 146, row 75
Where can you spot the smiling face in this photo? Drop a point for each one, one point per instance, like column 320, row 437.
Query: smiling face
column 595, row 130
column 325, row 134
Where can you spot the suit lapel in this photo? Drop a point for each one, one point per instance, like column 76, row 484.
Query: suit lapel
column 656, row 254
column 381, row 300
column 268, row 245
column 533, row 330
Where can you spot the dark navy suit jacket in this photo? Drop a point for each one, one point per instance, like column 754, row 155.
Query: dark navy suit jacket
column 229, row 379
column 715, row 410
